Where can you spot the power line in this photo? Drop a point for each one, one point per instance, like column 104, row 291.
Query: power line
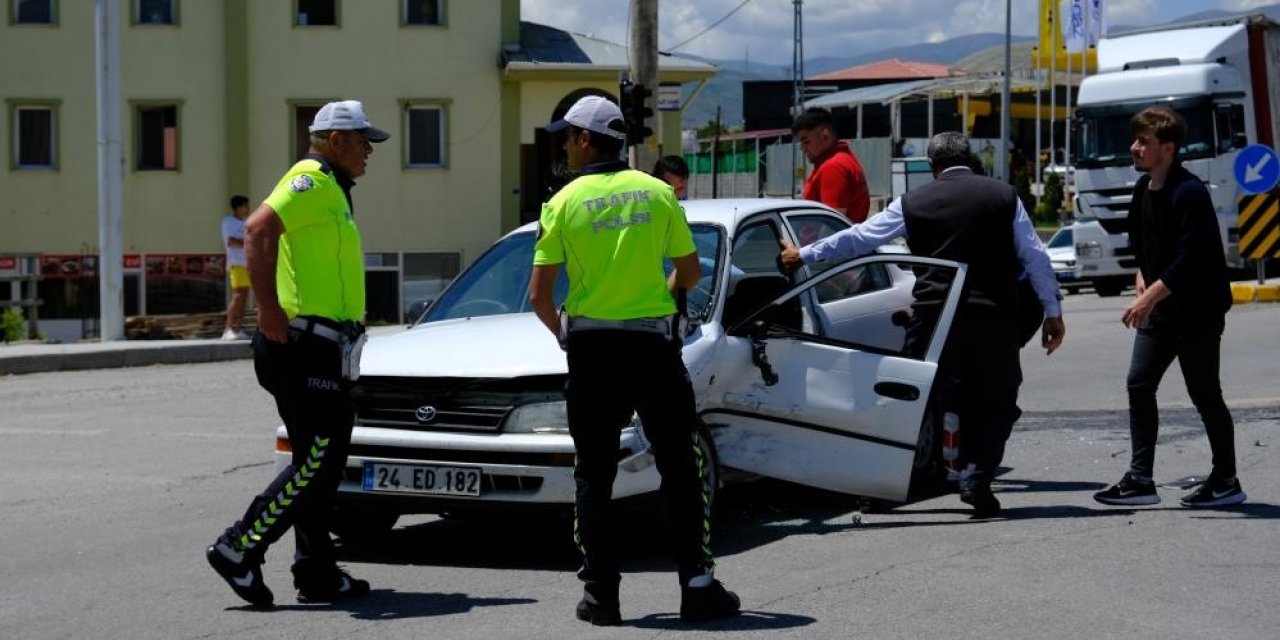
column 713, row 25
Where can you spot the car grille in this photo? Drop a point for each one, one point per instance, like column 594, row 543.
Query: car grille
column 448, row 404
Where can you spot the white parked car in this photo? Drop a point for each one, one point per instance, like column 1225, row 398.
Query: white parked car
column 1061, row 248
column 803, row 379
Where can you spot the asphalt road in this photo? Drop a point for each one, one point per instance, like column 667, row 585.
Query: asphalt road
column 114, row 481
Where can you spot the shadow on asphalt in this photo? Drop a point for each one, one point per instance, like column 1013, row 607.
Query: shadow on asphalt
column 386, row 604
column 748, row 621
column 1248, row 510
column 748, row 516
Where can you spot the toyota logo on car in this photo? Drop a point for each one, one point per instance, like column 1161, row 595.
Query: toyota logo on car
column 425, row 413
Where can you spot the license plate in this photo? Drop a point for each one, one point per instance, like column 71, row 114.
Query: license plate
column 415, row 478
column 1065, row 275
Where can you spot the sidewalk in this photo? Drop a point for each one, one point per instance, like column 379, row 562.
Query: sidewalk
column 34, row 357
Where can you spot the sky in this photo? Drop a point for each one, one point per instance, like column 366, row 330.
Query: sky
column 762, row 29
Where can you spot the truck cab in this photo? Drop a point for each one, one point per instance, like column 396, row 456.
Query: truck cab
column 1203, row 73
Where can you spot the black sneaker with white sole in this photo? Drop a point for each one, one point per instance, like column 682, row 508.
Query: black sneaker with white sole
column 330, row 586
column 699, row 604
column 244, row 577
column 1129, row 491
column 1215, row 493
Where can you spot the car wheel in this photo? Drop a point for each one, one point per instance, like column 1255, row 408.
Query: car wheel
column 354, row 525
column 929, row 471
column 1108, row 288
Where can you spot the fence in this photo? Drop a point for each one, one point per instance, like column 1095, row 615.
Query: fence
column 24, row 272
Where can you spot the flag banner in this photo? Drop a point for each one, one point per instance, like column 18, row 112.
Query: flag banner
column 1074, row 35
column 1097, row 21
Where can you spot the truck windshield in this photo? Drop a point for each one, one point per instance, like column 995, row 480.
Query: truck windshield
column 498, row 282
column 1103, row 137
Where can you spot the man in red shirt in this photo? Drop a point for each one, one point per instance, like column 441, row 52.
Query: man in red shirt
column 837, row 179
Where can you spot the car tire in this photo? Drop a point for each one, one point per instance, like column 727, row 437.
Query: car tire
column 1108, row 288
column 929, row 471
column 356, row 526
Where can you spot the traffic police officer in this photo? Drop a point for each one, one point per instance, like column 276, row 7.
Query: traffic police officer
column 307, row 271
column 612, row 227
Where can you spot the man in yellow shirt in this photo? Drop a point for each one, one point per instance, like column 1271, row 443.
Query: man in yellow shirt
column 611, row 228
column 307, row 269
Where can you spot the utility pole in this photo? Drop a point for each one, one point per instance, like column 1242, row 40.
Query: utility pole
column 644, row 71
column 1002, row 154
column 110, row 174
column 797, row 82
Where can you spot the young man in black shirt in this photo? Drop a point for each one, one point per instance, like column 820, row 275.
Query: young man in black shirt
column 1183, row 297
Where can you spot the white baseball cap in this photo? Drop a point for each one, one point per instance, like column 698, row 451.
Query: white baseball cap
column 346, row 115
column 596, row 114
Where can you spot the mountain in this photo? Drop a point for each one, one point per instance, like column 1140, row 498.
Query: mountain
column 725, row 89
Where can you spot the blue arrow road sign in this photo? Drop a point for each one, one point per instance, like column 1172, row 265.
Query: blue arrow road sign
column 1257, row 168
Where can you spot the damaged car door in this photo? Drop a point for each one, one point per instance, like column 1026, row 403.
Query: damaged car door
column 823, row 409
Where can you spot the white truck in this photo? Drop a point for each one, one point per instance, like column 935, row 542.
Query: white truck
column 1221, row 76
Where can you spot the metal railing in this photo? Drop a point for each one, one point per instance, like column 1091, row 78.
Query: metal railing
column 27, row 275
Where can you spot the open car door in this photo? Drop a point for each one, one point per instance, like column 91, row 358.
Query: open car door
column 824, row 410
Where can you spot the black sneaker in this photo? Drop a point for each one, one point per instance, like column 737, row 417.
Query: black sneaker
column 600, row 614
column 978, row 495
column 335, row 585
column 1215, row 493
column 245, row 578
column 1129, row 491
column 699, row 604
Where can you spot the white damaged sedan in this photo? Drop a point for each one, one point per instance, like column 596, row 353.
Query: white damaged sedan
column 803, row 379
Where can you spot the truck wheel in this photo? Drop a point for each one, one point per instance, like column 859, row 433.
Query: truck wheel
column 1108, row 288
column 357, row 526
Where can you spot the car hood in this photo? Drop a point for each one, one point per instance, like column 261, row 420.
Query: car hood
column 502, row 346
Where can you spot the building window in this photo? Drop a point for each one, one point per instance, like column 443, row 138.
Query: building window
column 157, row 138
column 425, row 140
column 33, row 12
column 34, row 144
column 155, row 12
column 303, row 116
column 316, row 13
column 424, row 12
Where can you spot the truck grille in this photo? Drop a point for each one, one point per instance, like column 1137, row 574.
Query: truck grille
column 1115, row 225
column 448, row 404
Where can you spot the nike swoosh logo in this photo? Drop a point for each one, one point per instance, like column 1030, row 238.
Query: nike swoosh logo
column 1218, row 495
column 245, row 581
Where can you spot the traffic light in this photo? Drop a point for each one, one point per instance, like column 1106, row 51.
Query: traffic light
column 634, row 111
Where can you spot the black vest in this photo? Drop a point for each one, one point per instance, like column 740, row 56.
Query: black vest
column 967, row 218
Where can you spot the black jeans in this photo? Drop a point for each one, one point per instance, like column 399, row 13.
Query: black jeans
column 1154, row 349
column 612, row 374
column 305, row 377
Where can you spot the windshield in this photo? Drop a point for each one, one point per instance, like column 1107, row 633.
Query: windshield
column 1060, row 239
column 1103, row 136
column 498, row 282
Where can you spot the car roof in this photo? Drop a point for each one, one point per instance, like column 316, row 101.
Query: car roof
column 728, row 212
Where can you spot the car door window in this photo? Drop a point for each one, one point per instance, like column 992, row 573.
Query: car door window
column 754, row 277
column 808, row 229
column 899, row 319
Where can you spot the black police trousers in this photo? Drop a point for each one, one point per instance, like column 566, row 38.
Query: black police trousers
column 305, row 376
column 611, row 375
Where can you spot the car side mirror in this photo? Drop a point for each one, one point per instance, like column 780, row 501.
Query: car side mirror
column 418, row 308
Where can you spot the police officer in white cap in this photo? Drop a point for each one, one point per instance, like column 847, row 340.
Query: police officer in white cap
column 307, row 271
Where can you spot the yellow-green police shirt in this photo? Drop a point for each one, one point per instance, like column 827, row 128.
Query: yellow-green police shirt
column 320, row 269
column 612, row 229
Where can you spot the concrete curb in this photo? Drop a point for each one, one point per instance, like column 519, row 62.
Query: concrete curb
column 1247, row 292
column 20, row 359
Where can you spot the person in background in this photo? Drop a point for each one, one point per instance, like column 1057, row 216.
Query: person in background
column 837, row 179
column 237, row 275
column 673, row 171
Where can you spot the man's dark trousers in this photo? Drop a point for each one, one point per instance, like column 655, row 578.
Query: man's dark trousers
column 611, row 374
column 1197, row 351
column 304, row 375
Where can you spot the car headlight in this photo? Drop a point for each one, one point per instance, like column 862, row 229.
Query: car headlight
column 538, row 417
column 1091, row 249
